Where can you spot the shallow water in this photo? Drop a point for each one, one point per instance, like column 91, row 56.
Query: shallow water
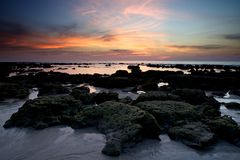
column 122, row 93
column 60, row 143
column 94, row 68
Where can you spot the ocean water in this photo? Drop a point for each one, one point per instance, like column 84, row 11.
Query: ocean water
column 62, row 142
column 110, row 67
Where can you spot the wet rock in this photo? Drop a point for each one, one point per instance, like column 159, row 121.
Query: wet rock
column 235, row 92
column 103, row 96
column 157, row 95
column 135, row 70
column 12, row 90
column 121, row 73
column 80, row 90
column 126, row 100
column 225, row 127
column 52, row 89
column 193, row 134
column 94, row 98
column 167, row 113
column 44, row 112
column 208, row 111
column 115, row 82
column 218, row 93
column 192, row 96
column 232, row 105
column 125, row 125
column 149, row 86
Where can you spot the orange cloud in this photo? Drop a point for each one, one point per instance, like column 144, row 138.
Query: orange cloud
column 119, row 39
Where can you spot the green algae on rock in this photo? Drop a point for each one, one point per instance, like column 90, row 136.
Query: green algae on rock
column 194, row 134
column 167, row 113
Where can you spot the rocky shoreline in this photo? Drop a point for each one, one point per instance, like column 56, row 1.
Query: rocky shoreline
column 181, row 109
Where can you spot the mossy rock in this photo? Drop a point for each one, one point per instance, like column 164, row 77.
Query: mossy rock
column 44, row 110
column 169, row 112
column 193, row 134
column 157, row 96
column 125, row 125
column 226, row 128
column 12, row 90
column 52, row 89
column 192, row 96
column 94, row 98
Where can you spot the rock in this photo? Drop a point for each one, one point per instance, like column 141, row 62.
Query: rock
column 167, row 113
column 125, row 125
column 115, row 82
column 149, row 86
column 157, row 95
column 112, row 148
column 86, row 98
column 81, row 89
column 124, row 137
column 225, row 127
column 126, row 100
column 94, row 98
column 103, row 96
column 235, row 92
column 121, row 73
column 12, row 90
column 193, row 134
column 232, row 105
column 52, row 89
column 135, row 70
column 44, row 112
column 209, row 112
column 192, row 96
column 218, row 93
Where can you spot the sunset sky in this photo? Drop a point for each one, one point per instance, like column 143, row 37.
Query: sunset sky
column 81, row 30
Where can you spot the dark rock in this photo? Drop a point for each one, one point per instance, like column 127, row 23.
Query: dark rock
column 93, row 98
column 86, row 98
column 192, row 96
column 226, row 128
column 218, row 93
column 52, row 89
column 80, row 90
column 232, row 105
column 103, row 96
column 121, row 73
column 157, row 95
column 193, row 134
column 149, row 86
column 209, row 112
column 235, row 92
column 115, row 82
column 167, row 113
column 11, row 90
column 135, row 70
column 125, row 125
column 43, row 112
column 126, row 100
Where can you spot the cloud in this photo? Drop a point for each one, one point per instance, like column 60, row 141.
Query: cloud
column 108, row 38
column 200, row 47
column 87, row 12
column 122, row 50
column 145, row 9
column 232, row 37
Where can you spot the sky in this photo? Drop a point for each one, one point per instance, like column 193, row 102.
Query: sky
column 119, row 30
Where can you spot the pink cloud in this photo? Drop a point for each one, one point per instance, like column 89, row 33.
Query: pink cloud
column 88, row 12
column 146, row 9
